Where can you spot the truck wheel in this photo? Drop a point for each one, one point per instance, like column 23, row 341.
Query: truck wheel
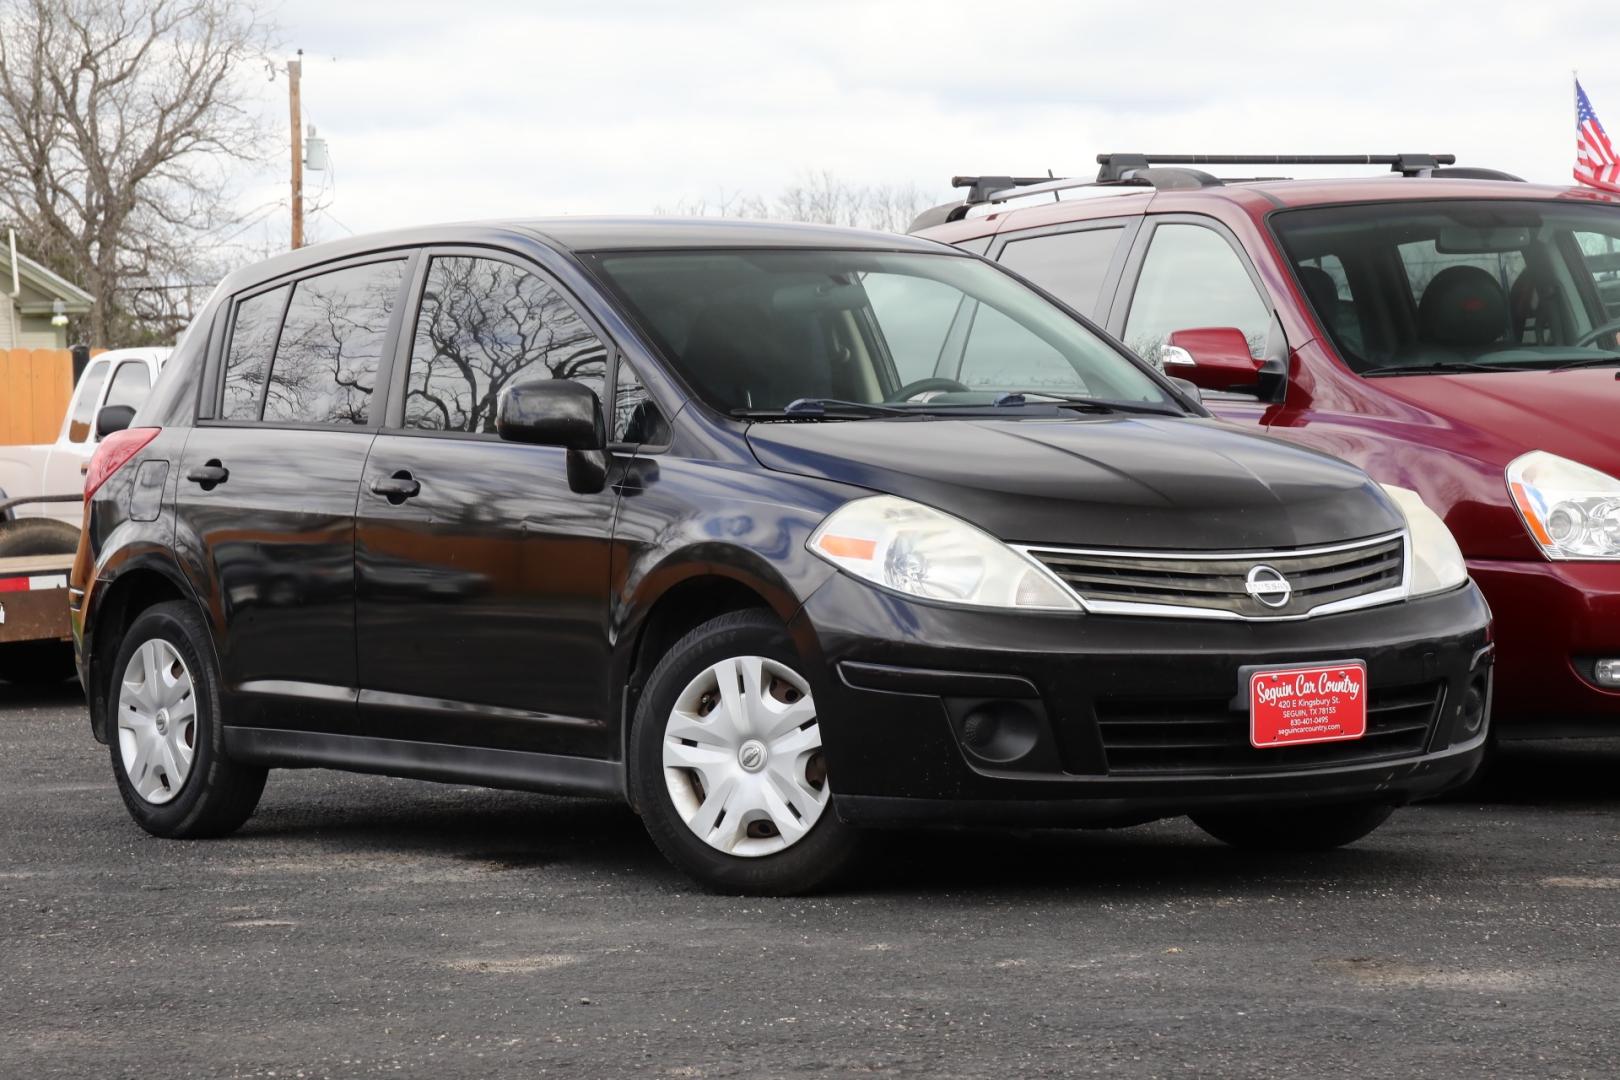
column 726, row 765
column 37, row 536
column 167, row 743
column 1317, row 829
column 37, row 663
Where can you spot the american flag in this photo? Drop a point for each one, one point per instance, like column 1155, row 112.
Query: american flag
column 1595, row 162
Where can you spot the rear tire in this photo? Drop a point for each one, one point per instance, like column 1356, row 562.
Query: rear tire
column 1315, row 829
column 770, row 828
column 37, row 536
column 165, row 734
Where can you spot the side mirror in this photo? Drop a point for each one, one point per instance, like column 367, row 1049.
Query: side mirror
column 1214, row 357
column 113, row 418
column 558, row 412
column 1188, row 387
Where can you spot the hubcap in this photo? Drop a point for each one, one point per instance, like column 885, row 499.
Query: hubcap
column 157, row 722
column 742, row 757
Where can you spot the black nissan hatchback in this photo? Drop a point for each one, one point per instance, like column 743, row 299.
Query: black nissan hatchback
column 776, row 532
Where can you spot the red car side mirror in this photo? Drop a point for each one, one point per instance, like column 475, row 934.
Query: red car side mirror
column 1214, row 357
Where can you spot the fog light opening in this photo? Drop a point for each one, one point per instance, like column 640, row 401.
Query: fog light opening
column 1000, row 731
column 1606, row 672
column 1471, row 713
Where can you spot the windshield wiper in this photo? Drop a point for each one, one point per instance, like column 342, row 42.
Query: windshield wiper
column 1105, row 405
column 1442, row 367
column 813, row 408
column 1586, row 361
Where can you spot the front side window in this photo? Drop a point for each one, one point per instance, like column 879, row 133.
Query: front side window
column 325, row 368
column 754, row 330
column 484, row 324
column 1191, row 280
column 1462, row 286
column 131, row 385
column 1069, row 265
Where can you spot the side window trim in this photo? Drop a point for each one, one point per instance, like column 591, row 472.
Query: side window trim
column 219, row 347
column 410, row 313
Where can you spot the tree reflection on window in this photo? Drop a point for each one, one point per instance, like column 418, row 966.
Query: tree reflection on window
column 325, row 369
column 485, row 324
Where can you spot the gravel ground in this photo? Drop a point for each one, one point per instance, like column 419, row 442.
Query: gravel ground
column 362, row 925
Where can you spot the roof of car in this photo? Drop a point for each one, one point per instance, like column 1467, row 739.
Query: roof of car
column 1257, row 197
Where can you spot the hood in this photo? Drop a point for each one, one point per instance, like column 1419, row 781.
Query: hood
column 1153, row 483
column 1571, row 413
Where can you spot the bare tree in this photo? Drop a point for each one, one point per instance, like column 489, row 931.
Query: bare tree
column 120, row 122
column 820, row 198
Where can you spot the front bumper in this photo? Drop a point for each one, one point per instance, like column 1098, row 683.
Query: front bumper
column 1095, row 704
column 1553, row 619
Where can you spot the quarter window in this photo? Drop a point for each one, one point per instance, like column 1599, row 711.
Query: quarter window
column 483, row 325
column 1070, row 265
column 253, row 340
column 1193, row 279
column 331, row 344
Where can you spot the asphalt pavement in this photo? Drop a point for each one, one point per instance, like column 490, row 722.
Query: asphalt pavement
column 362, row 926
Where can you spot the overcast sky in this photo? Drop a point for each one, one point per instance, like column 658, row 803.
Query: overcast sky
column 482, row 108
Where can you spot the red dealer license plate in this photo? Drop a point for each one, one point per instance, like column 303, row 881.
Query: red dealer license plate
column 1294, row 706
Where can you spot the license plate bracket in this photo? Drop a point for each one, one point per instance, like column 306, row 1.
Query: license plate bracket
column 1302, row 704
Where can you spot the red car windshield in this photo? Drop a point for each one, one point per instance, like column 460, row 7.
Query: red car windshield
column 1405, row 288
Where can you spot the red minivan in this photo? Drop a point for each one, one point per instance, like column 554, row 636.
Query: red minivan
column 1453, row 331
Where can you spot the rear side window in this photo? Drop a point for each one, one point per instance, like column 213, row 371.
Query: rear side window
column 485, row 324
column 1070, row 266
column 325, row 370
column 84, row 409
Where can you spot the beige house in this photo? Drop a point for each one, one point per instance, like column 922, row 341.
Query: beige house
column 31, row 299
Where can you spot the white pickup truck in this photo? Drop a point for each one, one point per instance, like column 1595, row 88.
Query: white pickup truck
column 41, row 508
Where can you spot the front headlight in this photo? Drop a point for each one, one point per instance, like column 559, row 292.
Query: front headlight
column 1437, row 562
column 917, row 550
column 1573, row 511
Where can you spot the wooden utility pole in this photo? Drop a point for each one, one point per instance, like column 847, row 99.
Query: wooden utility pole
column 295, row 69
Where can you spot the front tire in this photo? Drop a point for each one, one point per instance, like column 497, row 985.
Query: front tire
column 166, row 737
column 1315, row 829
column 726, row 763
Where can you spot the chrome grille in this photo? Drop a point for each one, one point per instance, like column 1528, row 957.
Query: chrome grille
column 1159, row 736
column 1217, row 585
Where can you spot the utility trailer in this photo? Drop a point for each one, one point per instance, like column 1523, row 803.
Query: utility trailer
column 36, row 638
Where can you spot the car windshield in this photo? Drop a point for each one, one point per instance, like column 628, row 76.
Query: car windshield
column 753, row 331
column 1467, row 286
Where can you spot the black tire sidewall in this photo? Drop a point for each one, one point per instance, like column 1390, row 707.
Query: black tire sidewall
column 186, row 814
column 37, row 536
column 813, row 862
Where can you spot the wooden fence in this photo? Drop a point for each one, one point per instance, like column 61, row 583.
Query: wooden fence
column 35, row 388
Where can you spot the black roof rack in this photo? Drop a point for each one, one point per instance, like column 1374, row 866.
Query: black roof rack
column 1117, row 166
column 1165, row 172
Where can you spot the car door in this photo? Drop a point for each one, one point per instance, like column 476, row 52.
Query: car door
column 267, row 486
column 482, row 610
column 1187, row 273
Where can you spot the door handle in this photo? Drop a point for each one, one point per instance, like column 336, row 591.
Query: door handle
column 209, row 475
column 397, row 488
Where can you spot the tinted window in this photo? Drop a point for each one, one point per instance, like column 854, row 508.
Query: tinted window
column 635, row 415
column 84, row 410
column 1193, row 279
column 130, row 385
column 1071, row 265
column 484, row 324
column 253, row 339
column 325, row 369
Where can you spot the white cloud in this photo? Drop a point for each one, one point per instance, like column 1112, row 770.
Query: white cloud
column 482, row 108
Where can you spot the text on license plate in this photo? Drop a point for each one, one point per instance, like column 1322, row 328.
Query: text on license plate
column 1297, row 705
